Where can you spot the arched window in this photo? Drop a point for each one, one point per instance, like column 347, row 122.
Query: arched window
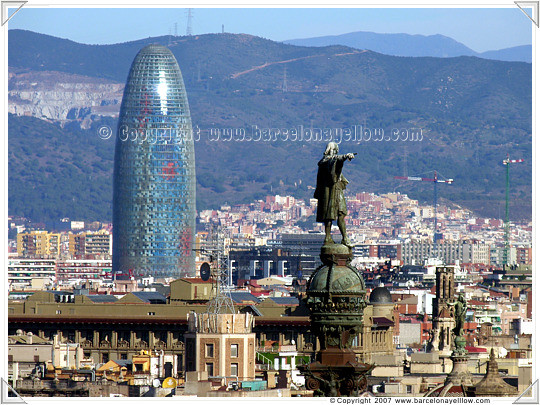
column 443, row 289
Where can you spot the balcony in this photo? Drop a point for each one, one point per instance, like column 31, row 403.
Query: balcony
column 263, row 367
column 276, row 361
column 277, row 349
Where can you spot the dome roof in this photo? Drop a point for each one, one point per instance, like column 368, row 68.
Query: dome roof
column 342, row 280
column 380, row 295
column 447, row 390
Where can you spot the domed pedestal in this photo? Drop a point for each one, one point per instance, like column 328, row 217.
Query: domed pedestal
column 460, row 358
column 459, row 383
column 336, row 298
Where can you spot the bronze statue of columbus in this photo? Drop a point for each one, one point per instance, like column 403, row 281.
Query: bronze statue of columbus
column 329, row 192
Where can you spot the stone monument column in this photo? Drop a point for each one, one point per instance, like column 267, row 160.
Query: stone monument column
column 335, row 293
column 336, row 299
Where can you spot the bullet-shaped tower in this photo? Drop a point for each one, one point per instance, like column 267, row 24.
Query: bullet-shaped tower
column 154, row 171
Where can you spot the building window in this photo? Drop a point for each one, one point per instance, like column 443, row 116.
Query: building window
column 210, row 369
column 209, row 350
column 58, row 312
column 36, row 359
column 122, row 335
column 123, row 356
column 409, row 389
column 162, row 335
column 151, row 313
column 234, row 369
column 234, row 350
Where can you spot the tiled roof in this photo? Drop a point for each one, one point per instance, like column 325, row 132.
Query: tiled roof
column 242, row 296
column 473, row 349
column 150, row 297
column 102, row 298
column 123, row 363
column 285, row 300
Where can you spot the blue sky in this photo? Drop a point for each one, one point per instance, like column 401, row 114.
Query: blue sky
column 479, row 29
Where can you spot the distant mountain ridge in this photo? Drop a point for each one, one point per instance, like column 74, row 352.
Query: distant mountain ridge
column 414, row 45
column 472, row 112
column 522, row 53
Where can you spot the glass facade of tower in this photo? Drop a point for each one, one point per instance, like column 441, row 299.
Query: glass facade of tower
column 154, row 171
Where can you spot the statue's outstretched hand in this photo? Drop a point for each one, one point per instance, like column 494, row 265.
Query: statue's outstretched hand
column 350, row 156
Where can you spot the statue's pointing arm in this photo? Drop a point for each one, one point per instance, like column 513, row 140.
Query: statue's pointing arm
column 349, row 156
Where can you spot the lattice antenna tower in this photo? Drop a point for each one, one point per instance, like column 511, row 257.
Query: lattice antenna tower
column 405, row 165
column 222, row 302
column 189, row 28
column 507, row 162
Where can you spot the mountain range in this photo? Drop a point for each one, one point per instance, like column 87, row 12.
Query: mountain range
column 471, row 111
column 414, row 45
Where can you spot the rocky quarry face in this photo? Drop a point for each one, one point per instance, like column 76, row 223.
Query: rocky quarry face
column 63, row 97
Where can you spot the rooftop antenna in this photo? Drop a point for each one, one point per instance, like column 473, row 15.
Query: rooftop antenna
column 222, row 301
column 507, row 162
column 189, row 28
column 405, row 166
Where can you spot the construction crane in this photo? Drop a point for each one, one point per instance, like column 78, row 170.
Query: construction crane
column 435, row 180
column 507, row 163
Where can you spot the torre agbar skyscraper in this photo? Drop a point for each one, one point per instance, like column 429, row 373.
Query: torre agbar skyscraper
column 154, row 171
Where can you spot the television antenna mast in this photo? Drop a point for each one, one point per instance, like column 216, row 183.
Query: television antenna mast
column 506, row 252
column 189, row 28
column 222, row 302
